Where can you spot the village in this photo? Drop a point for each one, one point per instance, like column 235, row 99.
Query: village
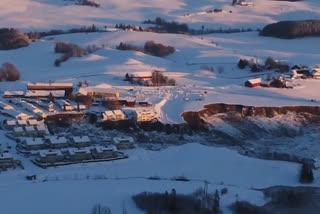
column 31, row 119
column 35, row 117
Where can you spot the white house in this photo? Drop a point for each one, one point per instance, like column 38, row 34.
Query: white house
column 22, row 122
column 10, row 94
column 50, row 156
column 79, row 154
column 42, row 129
column 57, row 142
column 33, row 143
column 81, row 141
column 11, row 123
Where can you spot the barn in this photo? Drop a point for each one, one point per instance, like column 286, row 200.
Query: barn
column 253, row 82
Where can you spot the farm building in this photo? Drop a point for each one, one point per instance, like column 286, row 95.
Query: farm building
column 81, row 141
column 18, row 131
column 100, row 152
column 33, row 143
column 123, row 142
column 57, row 142
column 7, row 161
column 253, row 82
column 79, row 154
column 98, row 92
column 144, row 76
column 67, row 87
column 50, row 156
column 12, row 94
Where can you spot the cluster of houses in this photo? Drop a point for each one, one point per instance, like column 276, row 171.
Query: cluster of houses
column 29, row 127
column 70, row 155
column 305, row 72
column 297, row 71
column 77, row 155
column 7, row 161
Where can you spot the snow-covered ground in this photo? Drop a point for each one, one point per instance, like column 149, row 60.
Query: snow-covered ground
column 81, row 186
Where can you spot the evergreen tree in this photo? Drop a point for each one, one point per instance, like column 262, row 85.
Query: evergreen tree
column 306, row 175
column 216, row 202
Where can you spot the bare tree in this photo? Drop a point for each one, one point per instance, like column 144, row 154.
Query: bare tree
column 8, row 72
column 99, row 209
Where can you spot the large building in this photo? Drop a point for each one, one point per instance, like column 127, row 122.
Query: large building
column 7, row 161
column 98, row 92
column 67, row 87
column 140, row 114
column 57, row 142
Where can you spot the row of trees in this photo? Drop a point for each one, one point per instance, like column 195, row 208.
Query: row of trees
column 269, row 64
column 150, row 48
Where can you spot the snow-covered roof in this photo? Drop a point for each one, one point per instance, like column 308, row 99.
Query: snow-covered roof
column 73, row 151
column 18, row 129
column 33, row 141
column 45, row 93
column 5, row 155
column 81, row 139
column 101, row 149
column 11, row 122
column 45, row 153
column 142, row 74
column 118, row 112
column 86, row 90
column 41, row 127
column 56, row 140
column 41, row 84
column 122, row 139
column 29, row 129
column 109, row 113
column 255, row 81
column 13, row 93
column 35, row 122
column 22, row 122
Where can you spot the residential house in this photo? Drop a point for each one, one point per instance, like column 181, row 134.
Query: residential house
column 75, row 154
column 12, row 94
column 50, row 156
column 81, row 141
column 57, row 142
column 123, row 142
column 33, row 144
column 7, row 161
column 100, row 152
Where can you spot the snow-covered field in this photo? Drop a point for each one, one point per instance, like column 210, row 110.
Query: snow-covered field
column 75, row 189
